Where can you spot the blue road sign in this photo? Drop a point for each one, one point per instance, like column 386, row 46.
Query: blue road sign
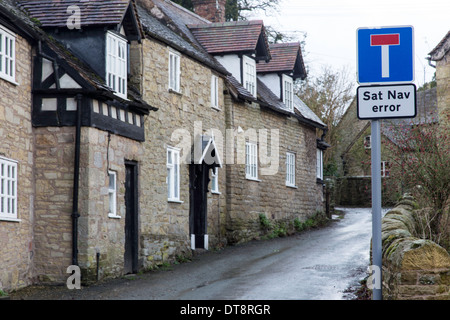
column 385, row 55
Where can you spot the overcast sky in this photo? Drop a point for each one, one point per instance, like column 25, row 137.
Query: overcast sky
column 330, row 27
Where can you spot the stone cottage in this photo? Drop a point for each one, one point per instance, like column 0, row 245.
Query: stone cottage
column 18, row 43
column 182, row 209
column 138, row 143
column 441, row 56
column 276, row 145
column 89, row 133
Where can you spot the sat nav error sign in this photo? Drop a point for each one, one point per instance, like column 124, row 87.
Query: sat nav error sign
column 386, row 102
column 385, row 55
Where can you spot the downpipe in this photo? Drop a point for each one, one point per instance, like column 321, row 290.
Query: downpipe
column 76, row 178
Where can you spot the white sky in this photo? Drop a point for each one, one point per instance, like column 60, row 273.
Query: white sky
column 331, row 27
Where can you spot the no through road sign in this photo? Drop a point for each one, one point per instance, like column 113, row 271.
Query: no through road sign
column 385, row 55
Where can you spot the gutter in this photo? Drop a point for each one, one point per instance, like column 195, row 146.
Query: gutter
column 429, row 62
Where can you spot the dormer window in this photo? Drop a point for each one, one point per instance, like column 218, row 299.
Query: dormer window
column 288, row 92
column 249, row 75
column 116, row 64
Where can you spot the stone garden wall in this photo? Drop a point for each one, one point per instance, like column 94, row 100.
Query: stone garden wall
column 413, row 268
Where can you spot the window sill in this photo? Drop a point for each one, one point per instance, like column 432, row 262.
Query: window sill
column 216, row 192
column 121, row 96
column 175, row 201
column 10, row 219
column 291, row 186
column 113, row 216
column 9, row 80
column 253, row 179
column 175, row 91
column 216, row 108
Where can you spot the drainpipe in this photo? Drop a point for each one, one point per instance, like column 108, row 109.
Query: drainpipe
column 76, row 178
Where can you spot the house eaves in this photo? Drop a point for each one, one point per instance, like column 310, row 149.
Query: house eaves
column 16, row 20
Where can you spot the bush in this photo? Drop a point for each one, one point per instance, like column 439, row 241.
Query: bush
column 421, row 162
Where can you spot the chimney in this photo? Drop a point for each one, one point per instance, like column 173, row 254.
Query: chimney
column 212, row 10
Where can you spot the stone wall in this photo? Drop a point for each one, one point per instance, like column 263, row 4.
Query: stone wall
column 17, row 144
column 357, row 191
column 100, row 233
column 54, row 162
column 413, row 268
column 248, row 199
column 182, row 115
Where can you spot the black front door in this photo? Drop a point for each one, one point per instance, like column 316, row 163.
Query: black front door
column 199, row 180
column 131, row 218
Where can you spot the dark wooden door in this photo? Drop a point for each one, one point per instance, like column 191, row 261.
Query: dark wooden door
column 131, row 218
column 199, row 180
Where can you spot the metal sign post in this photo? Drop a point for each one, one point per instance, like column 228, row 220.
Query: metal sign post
column 385, row 62
column 376, row 207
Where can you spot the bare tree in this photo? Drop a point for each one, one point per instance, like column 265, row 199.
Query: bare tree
column 328, row 95
column 237, row 9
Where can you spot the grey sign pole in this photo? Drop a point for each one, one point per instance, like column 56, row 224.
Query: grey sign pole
column 376, row 209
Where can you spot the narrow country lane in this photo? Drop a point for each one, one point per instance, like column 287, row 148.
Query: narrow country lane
column 319, row 264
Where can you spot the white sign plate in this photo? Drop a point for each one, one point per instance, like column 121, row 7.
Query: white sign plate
column 386, row 102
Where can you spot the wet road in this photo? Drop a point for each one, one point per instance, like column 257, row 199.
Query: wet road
column 319, row 264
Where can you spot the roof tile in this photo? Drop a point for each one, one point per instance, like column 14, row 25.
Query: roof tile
column 55, row 13
column 228, row 36
column 286, row 57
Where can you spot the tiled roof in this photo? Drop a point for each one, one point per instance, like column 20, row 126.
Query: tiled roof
column 286, row 57
column 234, row 36
column 441, row 49
column 161, row 30
column 302, row 112
column 238, row 91
column 302, row 109
column 55, row 13
column 267, row 98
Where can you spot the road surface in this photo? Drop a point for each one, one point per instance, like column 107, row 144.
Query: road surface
column 319, row 264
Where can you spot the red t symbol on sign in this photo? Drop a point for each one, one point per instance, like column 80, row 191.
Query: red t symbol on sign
column 385, row 40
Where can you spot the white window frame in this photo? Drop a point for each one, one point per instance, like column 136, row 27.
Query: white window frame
column 173, row 174
column 385, row 169
column 319, row 164
column 251, row 161
column 288, row 92
column 174, row 71
column 112, row 195
column 290, row 169
column 249, row 75
column 215, row 92
column 117, row 64
column 8, row 189
column 215, row 181
column 7, row 55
